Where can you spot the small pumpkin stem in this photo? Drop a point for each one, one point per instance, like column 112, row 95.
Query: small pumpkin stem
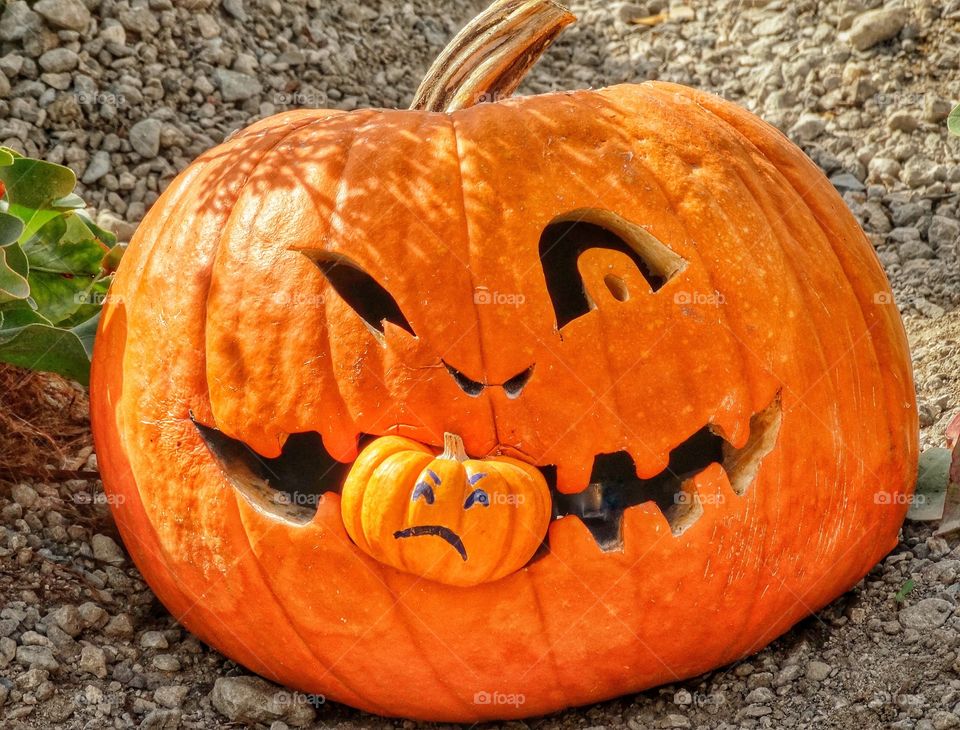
column 488, row 59
column 453, row 448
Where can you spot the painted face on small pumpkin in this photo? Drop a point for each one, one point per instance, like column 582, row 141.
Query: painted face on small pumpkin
column 642, row 300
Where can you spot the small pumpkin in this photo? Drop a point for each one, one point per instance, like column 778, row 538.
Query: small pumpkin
column 447, row 518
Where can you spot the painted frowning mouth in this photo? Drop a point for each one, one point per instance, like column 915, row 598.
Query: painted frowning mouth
column 438, row 530
column 290, row 486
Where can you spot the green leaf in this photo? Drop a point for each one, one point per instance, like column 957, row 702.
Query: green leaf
column 33, row 220
column 904, row 591
column 12, row 284
column 35, row 183
column 7, row 156
column 104, row 236
column 928, row 499
column 42, row 347
column 68, row 202
column 14, row 315
column 112, row 260
column 65, row 245
column 953, row 121
column 86, row 331
column 59, row 296
column 10, row 229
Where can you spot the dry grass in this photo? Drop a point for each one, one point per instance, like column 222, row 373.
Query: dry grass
column 44, row 427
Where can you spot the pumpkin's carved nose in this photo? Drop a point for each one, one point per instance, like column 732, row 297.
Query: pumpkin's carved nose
column 512, row 386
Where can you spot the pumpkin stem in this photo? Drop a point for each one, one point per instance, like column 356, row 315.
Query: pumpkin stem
column 488, row 59
column 453, row 448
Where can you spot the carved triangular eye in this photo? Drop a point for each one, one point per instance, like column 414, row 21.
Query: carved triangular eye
column 374, row 304
column 566, row 238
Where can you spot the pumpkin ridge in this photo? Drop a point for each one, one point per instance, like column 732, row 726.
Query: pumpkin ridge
column 818, row 218
column 217, row 246
column 327, row 666
column 681, row 219
column 458, row 156
column 777, row 171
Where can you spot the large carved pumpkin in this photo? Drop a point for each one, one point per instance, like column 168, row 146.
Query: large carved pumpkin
column 643, row 291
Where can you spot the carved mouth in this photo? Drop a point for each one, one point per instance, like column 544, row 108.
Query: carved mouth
column 292, row 485
column 438, row 530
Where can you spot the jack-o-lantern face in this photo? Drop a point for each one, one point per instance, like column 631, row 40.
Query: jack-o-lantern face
column 642, row 307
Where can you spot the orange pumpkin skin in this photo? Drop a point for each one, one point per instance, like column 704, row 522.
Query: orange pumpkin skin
column 216, row 313
column 447, row 518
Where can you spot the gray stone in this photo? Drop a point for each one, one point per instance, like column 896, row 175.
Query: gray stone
column 235, row 8
column 68, row 619
column 24, row 495
column 119, row 627
column 171, row 695
column 93, row 660
column 918, row 172
column 145, row 137
column 166, row 663
column 903, row 121
column 139, row 20
column 808, row 127
column 58, row 60
column 252, row 700
column 66, row 14
column 876, row 26
column 915, row 249
column 11, row 64
column 36, row 657
column 17, row 21
column 845, row 182
column 236, row 86
column 818, row 671
column 943, row 231
column 114, row 32
column 161, row 720
column 936, row 109
column 106, row 550
column 153, row 640
column 98, row 166
column 930, row 613
column 884, row 168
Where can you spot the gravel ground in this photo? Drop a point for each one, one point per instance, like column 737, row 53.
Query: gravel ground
column 128, row 92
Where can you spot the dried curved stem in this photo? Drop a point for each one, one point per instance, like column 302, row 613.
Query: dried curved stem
column 488, row 59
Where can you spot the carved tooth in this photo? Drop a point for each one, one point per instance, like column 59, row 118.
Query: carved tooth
column 573, row 475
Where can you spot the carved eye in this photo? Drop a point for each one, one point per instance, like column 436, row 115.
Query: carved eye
column 565, row 239
column 362, row 292
column 477, row 496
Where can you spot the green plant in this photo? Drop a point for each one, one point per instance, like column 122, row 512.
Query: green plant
column 953, row 121
column 55, row 267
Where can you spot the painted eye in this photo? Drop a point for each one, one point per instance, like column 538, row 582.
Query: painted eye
column 477, row 496
column 422, row 490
